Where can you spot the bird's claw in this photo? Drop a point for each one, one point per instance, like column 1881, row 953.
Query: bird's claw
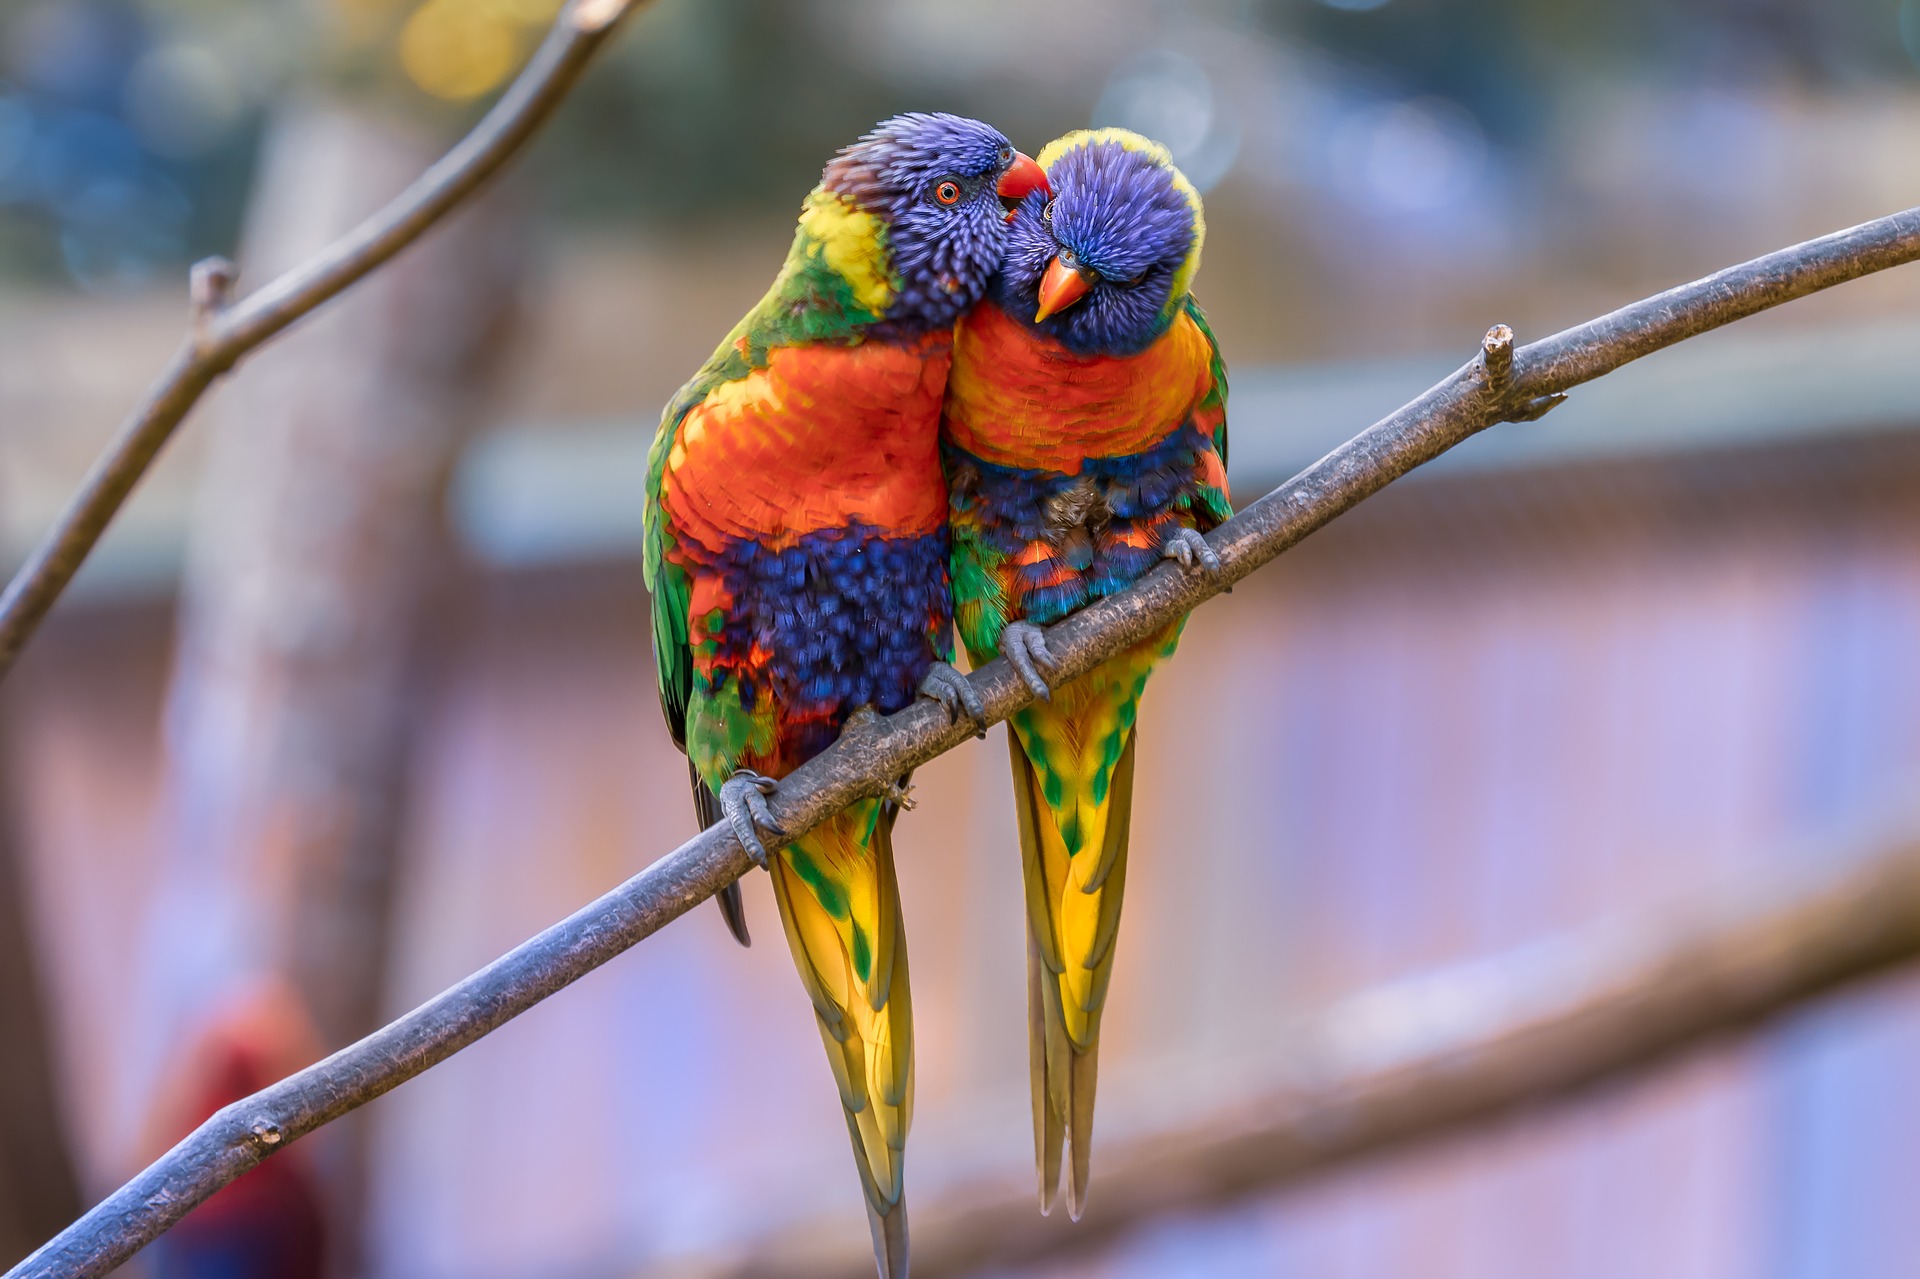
column 1024, row 646
column 743, row 799
column 956, row 693
column 1190, row 548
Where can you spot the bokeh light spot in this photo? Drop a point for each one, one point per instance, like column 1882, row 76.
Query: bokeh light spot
column 1410, row 157
column 458, row 49
column 1171, row 99
column 1163, row 95
column 117, row 229
column 182, row 101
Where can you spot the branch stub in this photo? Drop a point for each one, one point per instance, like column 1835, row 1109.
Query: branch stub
column 210, row 286
column 1496, row 357
column 209, row 294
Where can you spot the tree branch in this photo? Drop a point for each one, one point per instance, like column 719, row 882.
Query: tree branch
column 221, row 335
column 1430, row 1055
column 864, row 762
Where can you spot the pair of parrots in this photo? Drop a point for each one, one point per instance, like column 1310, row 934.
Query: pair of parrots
column 978, row 393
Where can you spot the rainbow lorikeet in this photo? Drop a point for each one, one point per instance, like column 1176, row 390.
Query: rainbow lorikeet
column 1085, row 440
column 796, row 548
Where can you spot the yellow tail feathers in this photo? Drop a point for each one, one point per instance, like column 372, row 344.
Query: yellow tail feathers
column 1073, row 795
column 840, row 906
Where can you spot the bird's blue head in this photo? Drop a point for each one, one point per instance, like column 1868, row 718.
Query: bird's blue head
column 921, row 203
column 1103, row 265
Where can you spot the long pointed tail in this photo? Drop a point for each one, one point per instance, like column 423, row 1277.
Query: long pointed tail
column 1073, row 794
column 840, row 905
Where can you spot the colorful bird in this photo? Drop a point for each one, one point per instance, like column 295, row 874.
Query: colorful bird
column 796, row 548
column 1085, row 440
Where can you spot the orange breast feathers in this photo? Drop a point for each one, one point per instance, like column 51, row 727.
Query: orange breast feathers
column 1019, row 398
column 821, row 436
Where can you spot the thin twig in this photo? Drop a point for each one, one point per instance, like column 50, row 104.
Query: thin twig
column 1427, row 1057
column 865, row 762
column 221, row 335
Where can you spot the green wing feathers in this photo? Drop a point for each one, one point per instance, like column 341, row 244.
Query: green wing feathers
column 839, row 903
column 671, row 591
column 833, row 284
column 813, row 299
column 840, row 906
column 1073, row 795
column 1213, row 408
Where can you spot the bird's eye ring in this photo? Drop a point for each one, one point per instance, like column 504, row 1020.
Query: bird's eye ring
column 1006, row 155
column 947, row 191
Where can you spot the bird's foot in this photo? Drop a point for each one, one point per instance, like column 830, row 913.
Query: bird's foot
column 743, row 800
column 1024, row 646
column 1191, row 550
column 955, row 692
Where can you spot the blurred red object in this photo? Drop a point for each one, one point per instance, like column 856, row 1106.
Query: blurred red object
column 273, row 1222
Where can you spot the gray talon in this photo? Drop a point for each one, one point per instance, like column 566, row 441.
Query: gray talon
column 1025, row 648
column 743, row 798
column 955, row 692
column 1187, row 546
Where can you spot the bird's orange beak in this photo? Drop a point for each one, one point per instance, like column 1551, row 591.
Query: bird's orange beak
column 1060, row 288
column 1022, row 177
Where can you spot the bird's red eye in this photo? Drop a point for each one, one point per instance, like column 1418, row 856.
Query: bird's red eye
column 948, row 192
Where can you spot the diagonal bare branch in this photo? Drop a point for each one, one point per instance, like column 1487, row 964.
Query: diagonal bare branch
column 862, row 764
column 221, row 335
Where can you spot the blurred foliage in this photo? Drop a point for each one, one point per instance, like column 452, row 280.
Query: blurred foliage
column 121, row 147
column 1493, row 56
column 715, row 104
column 128, row 127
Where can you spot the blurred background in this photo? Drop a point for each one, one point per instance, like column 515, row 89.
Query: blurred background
column 357, row 692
